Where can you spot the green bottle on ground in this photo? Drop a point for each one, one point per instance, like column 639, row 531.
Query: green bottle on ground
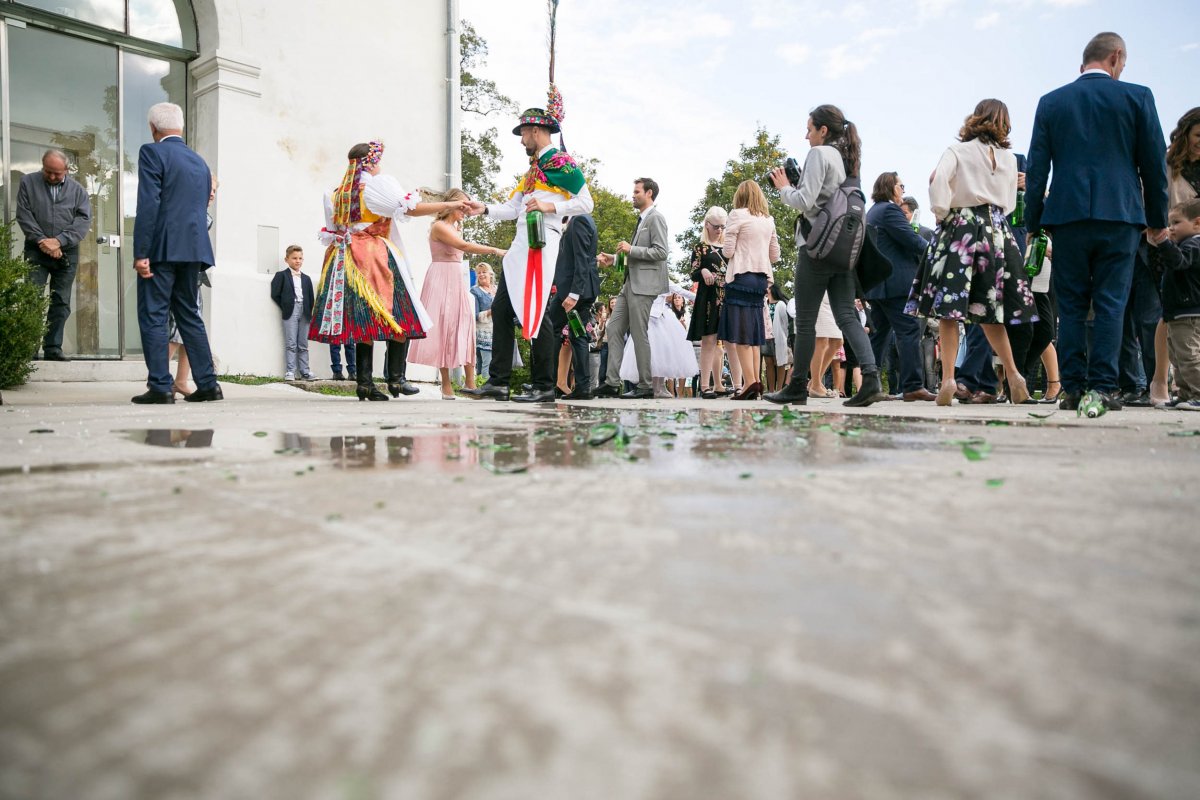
column 1091, row 405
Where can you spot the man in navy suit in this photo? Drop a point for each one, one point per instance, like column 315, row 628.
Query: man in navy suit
column 170, row 248
column 1105, row 144
column 904, row 247
column 576, row 284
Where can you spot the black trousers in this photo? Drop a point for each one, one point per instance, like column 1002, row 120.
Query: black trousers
column 544, row 370
column 504, row 319
column 60, row 274
column 1029, row 341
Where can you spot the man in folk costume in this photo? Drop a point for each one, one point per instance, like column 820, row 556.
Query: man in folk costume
column 367, row 293
column 555, row 187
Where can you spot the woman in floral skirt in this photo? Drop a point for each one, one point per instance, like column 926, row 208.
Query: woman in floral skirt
column 973, row 272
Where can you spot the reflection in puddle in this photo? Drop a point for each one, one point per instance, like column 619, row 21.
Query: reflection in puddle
column 680, row 442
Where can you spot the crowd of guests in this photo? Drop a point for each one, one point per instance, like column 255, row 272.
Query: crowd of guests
column 1091, row 284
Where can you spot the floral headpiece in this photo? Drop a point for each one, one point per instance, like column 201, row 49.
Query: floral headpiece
column 374, row 154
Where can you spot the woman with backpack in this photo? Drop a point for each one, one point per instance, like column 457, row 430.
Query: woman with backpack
column 973, row 271
column 836, row 155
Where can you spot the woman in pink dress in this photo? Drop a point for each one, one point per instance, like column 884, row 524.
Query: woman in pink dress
column 447, row 298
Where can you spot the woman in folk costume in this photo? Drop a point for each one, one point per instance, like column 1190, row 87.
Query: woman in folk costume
column 366, row 292
column 671, row 354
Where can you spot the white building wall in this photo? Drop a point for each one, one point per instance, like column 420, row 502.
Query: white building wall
column 281, row 92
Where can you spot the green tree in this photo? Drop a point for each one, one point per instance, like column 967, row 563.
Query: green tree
column 482, row 98
column 753, row 162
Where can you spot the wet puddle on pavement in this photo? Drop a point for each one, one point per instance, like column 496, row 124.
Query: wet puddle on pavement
column 679, row 442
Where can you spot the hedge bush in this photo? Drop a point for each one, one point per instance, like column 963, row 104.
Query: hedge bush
column 23, row 306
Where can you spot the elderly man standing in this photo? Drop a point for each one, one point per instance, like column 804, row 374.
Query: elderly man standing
column 54, row 214
column 1104, row 142
column 170, row 248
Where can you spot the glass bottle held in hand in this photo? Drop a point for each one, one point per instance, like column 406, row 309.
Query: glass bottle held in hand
column 1017, row 218
column 575, row 323
column 535, row 224
column 619, row 263
column 1036, row 257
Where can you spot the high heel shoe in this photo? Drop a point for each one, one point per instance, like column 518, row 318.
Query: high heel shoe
column 752, row 391
column 945, row 395
column 1048, row 398
column 176, row 389
column 1018, row 392
column 371, row 393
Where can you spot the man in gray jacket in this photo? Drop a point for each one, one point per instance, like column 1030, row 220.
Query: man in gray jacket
column 54, row 213
column 645, row 279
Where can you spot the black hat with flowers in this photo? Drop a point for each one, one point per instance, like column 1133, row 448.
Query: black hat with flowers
column 536, row 116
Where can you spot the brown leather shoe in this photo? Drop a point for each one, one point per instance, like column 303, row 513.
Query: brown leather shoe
column 962, row 394
column 982, row 398
column 920, row 394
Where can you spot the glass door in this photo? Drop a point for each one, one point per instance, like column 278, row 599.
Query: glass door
column 63, row 95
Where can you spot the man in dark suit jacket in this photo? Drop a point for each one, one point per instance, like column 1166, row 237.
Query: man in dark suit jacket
column 902, row 246
column 170, row 248
column 576, row 284
column 1105, row 144
column 297, row 312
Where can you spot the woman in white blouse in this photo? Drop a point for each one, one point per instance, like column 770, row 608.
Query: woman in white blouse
column 973, row 272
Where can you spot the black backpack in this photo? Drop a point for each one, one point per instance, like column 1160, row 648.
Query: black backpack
column 836, row 235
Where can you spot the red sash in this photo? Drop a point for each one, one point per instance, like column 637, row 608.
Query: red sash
column 533, row 300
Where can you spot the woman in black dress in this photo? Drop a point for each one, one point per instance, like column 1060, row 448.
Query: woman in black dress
column 708, row 272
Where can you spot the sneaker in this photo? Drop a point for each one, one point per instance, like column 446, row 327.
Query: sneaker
column 1188, row 405
column 308, row 376
column 289, row 376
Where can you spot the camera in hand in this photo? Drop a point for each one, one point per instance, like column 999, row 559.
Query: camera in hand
column 791, row 170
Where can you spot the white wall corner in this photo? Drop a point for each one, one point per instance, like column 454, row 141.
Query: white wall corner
column 224, row 70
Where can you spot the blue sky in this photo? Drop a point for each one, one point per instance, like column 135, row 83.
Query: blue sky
column 670, row 88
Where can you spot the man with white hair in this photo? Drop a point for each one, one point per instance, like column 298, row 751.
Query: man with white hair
column 170, row 249
column 54, row 213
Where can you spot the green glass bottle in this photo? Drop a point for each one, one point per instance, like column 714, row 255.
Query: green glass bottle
column 1035, row 258
column 915, row 222
column 535, row 224
column 1017, row 218
column 575, row 323
column 620, row 265
column 1091, row 405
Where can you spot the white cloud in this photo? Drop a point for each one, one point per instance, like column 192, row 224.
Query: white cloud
column 987, row 21
column 934, row 8
column 794, row 54
column 1068, row 3
column 875, row 34
column 845, row 60
column 1190, row 46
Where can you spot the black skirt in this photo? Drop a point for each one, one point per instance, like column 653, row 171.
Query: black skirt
column 742, row 312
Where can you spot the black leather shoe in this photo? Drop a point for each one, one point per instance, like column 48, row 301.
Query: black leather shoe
column 607, row 390
column 795, row 393
column 1136, row 399
column 370, row 393
column 56, row 356
column 1069, row 401
column 1112, row 400
column 638, row 394
column 206, row 395
column 576, row 394
column 546, row 396
column 154, row 398
column 870, row 391
column 490, row 391
column 403, row 387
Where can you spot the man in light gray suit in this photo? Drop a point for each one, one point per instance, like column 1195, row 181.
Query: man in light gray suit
column 645, row 279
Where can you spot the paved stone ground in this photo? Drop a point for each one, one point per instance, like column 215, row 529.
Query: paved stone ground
column 362, row 603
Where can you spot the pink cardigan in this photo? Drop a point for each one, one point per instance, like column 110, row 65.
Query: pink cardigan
column 750, row 244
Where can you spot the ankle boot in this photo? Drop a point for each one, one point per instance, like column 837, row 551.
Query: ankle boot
column 870, row 391
column 795, row 393
column 397, row 366
column 365, row 356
